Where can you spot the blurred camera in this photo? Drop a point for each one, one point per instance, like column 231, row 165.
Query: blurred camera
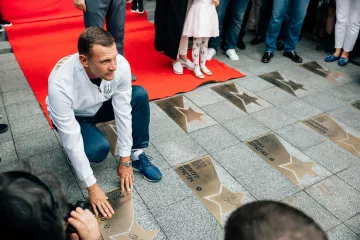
column 71, row 207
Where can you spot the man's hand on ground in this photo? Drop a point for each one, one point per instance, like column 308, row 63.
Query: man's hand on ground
column 80, row 4
column 86, row 225
column 99, row 201
column 126, row 175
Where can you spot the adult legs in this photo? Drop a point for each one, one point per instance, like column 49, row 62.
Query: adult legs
column 221, row 11
column 115, row 21
column 352, row 28
column 342, row 14
column 297, row 15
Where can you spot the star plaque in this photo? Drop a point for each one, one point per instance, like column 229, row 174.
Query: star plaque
column 316, row 68
column 246, row 101
column 137, row 232
column 274, row 153
column 201, row 177
column 184, row 113
column 327, row 127
column 278, row 80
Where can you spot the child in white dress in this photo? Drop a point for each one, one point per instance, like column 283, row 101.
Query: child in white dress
column 201, row 23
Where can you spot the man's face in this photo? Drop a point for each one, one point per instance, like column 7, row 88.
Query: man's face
column 102, row 63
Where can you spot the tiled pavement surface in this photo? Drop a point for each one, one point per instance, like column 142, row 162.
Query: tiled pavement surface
column 169, row 206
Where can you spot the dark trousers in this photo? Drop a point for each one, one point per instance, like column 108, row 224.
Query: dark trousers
column 96, row 144
column 113, row 11
column 265, row 16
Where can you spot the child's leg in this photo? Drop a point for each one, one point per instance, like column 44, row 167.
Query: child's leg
column 134, row 6
column 203, row 55
column 195, row 55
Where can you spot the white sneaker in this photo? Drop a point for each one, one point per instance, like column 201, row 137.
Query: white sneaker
column 231, row 53
column 205, row 70
column 198, row 73
column 178, row 69
column 211, row 53
column 188, row 64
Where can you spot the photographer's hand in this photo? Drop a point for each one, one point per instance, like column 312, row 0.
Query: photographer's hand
column 99, row 201
column 86, row 225
column 126, row 175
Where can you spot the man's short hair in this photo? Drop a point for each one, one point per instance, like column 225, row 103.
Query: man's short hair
column 92, row 36
column 269, row 220
column 26, row 207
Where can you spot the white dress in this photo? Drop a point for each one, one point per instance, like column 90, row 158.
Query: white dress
column 201, row 20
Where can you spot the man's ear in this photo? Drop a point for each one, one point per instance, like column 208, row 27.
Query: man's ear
column 84, row 60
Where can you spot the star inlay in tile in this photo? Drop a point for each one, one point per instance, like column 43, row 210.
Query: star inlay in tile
column 299, row 168
column 191, row 115
column 138, row 233
column 317, row 69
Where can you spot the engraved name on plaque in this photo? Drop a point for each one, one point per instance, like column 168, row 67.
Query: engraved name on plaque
column 274, row 153
column 327, row 127
column 201, row 177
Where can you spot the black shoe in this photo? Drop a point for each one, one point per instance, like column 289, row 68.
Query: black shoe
column 133, row 7
column 140, row 7
column 257, row 40
column 133, row 77
column 1, row 29
column 280, row 46
column 241, row 45
column 293, row 56
column 266, row 58
column 3, row 128
column 5, row 23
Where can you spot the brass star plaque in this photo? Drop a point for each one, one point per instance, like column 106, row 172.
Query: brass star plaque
column 316, row 68
column 239, row 99
column 278, row 80
column 201, row 177
column 184, row 116
column 327, row 127
column 356, row 104
column 122, row 225
column 273, row 152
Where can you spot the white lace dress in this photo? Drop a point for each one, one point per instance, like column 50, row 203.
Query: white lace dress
column 201, row 20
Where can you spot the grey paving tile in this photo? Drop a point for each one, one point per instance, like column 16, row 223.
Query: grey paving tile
column 348, row 92
column 204, row 97
column 246, row 127
column 22, row 110
column 18, row 96
column 180, row 150
column 273, row 118
column 156, row 112
column 323, row 101
column 164, row 193
column 254, row 84
column 238, row 159
column 105, row 174
column 354, row 224
column 158, row 159
column 219, row 235
column 29, row 125
column 223, row 111
column 214, row 138
column 7, row 152
column 187, row 219
column 305, row 203
column 164, row 130
column 275, row 95
column 14, row 85
column 70, row 186
column 12, row 166
column 1, row 101
column 331, row 156
column 348, row 115
column 35, row 144
column 336, row 196
column 7, row 75
column 299, row 109
column 342, row 233
column 5, row 47
column 300, row 136
column 267, row 183
column 53, row 161
column 351, row 175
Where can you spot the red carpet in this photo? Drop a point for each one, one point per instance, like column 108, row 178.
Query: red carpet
column 45, row 31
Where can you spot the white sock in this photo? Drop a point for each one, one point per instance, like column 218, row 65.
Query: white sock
column 135, row 154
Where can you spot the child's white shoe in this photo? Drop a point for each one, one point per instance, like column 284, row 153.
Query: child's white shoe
column 188, row 64
column 177, row 67
column 198, row 73
column 211, row 53
column 205, row 70
column 231, row 53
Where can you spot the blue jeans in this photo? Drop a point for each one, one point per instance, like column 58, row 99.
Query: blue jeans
column 96, row 145
column 296, row 13
column 236, row 9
